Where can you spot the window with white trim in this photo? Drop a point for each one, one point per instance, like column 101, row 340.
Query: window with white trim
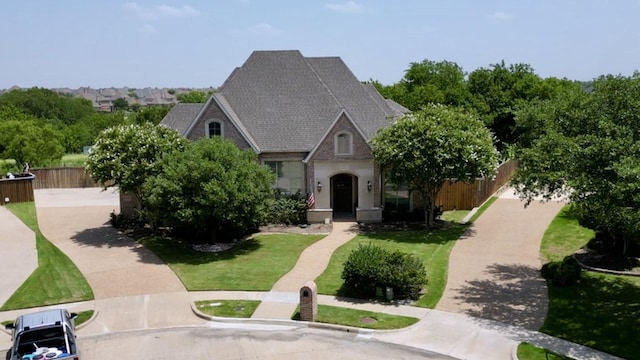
column 289, row 175
column 344, row 143
column 214, row 128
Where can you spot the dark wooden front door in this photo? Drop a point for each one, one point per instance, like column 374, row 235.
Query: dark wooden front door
column 342, row 194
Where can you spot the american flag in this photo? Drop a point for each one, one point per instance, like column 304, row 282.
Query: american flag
column 311, row 201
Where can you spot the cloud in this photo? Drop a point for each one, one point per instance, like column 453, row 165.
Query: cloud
column 160, row 11
column 502, row 16
column 350, row 7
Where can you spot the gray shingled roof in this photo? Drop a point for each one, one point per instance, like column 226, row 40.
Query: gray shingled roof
column 181, row 116
column 286, row 101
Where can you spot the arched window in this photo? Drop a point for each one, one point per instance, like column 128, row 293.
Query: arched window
column 344, row 143
column 214, row 128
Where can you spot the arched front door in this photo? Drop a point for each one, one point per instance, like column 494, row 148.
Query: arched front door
column 342, row 194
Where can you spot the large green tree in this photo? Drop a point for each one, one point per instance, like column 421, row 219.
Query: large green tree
column 26, row 138
column 194, row 96
column 589, row 151
column 126, row 155
column 49, row 105
column 212, row 189
column 429, row 82
column 438, row 143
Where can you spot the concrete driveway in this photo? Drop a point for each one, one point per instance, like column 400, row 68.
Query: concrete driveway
column 77, row 222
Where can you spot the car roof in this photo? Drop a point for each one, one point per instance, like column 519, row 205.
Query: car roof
column 40, row 318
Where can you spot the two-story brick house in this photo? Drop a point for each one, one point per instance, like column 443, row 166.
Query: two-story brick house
column 308, row 118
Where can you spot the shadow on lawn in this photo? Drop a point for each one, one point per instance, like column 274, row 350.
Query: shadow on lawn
column 512, row 294
column 181, row 253
column 401, row 234
column 601, row 312
column 151, row 249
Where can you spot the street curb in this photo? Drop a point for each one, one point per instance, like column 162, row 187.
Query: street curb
column 294, row 323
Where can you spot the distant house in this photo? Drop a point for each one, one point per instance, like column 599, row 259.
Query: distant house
column 309, row 119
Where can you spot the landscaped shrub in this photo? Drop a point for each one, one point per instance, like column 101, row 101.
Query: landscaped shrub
column 562, row 273
column 371, row 267
column 364, row 269
column 288, row 210
column 406, row 274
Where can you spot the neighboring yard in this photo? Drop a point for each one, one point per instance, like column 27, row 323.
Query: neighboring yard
column 57, row 280
column 602, row 310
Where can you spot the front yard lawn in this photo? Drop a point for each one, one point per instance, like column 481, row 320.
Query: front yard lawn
column 433, row 247
column 602, row 310
column 254, row 265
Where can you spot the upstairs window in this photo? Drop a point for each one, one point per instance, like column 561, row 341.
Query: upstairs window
column 214, row 128
column 344, row 143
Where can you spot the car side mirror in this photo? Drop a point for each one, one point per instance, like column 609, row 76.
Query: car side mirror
column 73, row 315
column 10, row 326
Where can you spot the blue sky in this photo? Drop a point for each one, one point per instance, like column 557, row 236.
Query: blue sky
column 170, row 43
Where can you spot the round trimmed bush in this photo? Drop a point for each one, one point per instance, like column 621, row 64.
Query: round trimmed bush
column 562, row 273
column 370, row 267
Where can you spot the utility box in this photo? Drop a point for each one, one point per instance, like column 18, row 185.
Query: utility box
column 309, row 301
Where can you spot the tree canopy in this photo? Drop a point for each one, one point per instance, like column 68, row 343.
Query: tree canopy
column 589, row 151
column 25, row 138
column 194, row 96
column 126, row 155
column 438, row 143
column 429, row 82
column 212, row 189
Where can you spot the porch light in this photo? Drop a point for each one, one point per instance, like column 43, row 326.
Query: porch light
column 369, row 185
column 319, row 186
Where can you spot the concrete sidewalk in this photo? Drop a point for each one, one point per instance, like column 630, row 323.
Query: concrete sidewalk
column 19, row 253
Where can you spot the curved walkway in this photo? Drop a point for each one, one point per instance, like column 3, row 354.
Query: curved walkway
column 494, row 268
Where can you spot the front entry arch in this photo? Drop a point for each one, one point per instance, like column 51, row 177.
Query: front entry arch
column 343, row 198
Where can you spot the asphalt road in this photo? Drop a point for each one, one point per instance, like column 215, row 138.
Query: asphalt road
column 264, row 343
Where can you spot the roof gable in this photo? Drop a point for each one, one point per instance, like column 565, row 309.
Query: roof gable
column 287, row 102
column 282, row 101
column 181, row 117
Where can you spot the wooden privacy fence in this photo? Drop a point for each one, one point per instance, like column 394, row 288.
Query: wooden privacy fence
column 456, row 195
column 62, row 178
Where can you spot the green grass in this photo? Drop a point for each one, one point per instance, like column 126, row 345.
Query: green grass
column 454, row 215
column 360, row 318
column 433, row 247
column 83, row 317
column 563, row 236
column 602, row 310
column 228, row 308
column 527, row 351
column 254, row 265
column 56, row 280
column 72, row 160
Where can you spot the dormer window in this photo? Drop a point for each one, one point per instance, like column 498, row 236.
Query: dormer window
column 214, row 128
column 344, row 143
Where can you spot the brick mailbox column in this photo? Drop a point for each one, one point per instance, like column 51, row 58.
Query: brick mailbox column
column 309, row 301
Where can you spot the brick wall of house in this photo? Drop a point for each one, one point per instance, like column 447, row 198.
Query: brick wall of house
column 326, row 150
column 229, row 131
